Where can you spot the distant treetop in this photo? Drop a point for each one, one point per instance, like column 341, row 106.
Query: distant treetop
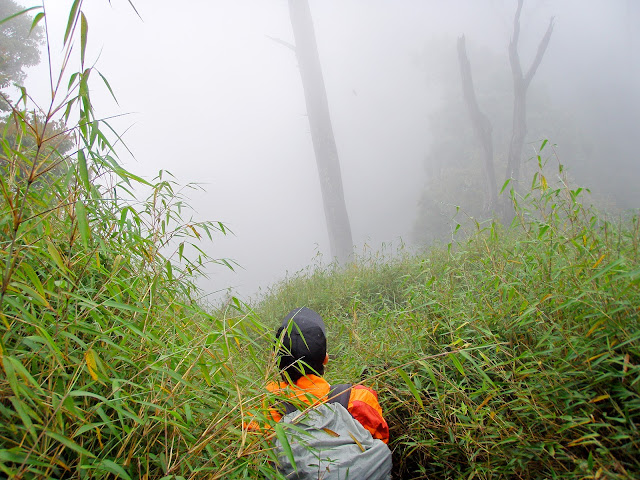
column 19, row 45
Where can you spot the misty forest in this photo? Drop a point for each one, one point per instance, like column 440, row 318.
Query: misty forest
column 451, row 185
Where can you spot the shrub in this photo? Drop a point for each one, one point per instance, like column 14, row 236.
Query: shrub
column 513, row 354
column 110, row 369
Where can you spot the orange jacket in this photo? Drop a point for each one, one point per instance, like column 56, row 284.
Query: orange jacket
column 363, row 402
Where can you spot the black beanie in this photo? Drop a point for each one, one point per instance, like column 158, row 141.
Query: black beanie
column 304, row 335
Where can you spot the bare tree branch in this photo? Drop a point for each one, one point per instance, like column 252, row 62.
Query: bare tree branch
column 544, row 43
column 520, row 86
column 513, row 45
column 282, row 42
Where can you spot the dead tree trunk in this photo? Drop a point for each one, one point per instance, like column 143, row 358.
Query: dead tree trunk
column 324, row 144
column 481, row 126
column 520, row 85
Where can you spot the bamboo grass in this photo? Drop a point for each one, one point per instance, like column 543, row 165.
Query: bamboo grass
column 512, row 353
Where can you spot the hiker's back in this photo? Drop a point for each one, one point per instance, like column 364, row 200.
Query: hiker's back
column 343, row 438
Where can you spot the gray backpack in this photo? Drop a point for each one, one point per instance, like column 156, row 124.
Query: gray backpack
column 328, row 443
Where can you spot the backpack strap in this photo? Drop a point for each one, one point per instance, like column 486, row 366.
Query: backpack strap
column 340, row 394
column 287, row 407
column 337, row 394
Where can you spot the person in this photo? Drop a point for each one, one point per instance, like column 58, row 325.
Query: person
column 302, row 360
column 302, row 356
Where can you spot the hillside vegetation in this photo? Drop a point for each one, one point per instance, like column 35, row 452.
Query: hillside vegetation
column 110, row 367
column 512, row 353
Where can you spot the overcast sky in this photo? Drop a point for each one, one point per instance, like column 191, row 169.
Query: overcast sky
column 215, row 100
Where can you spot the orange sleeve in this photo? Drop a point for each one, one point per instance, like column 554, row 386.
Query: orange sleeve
column 253, row 425
column 364, row 407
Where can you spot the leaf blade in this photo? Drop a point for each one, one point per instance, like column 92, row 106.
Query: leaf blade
column 83, row 223
column 412, row 386
column 286, row 446
column 84, row 29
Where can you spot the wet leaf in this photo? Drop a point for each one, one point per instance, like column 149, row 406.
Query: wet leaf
column 92, row 366
column 73, row 16
column 411, row 385
column 39, row 16
column 21, row 12
column 284, row 441
column 84, row 28
column 599, row 261
column 362, row 449
column 330, row 432
column 83, row 223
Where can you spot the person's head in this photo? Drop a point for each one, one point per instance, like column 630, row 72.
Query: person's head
column 303, row 344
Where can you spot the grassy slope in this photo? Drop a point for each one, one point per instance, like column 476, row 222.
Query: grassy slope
column 512, row 355
column 515, row 355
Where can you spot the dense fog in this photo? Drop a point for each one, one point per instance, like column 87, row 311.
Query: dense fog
column 215, row 97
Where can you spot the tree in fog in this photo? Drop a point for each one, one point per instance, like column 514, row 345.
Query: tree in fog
column 324, row 144
column 481, row 125
column 521, row 82
column 19, row 46
column 20, row 42
column 456, row 189
column 479, row 133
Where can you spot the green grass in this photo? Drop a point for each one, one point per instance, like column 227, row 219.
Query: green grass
column 109, row 369
column 513, row 354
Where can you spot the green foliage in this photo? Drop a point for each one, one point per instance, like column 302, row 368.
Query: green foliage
column 515, row 354
column 455, row 188
column 109, row 368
